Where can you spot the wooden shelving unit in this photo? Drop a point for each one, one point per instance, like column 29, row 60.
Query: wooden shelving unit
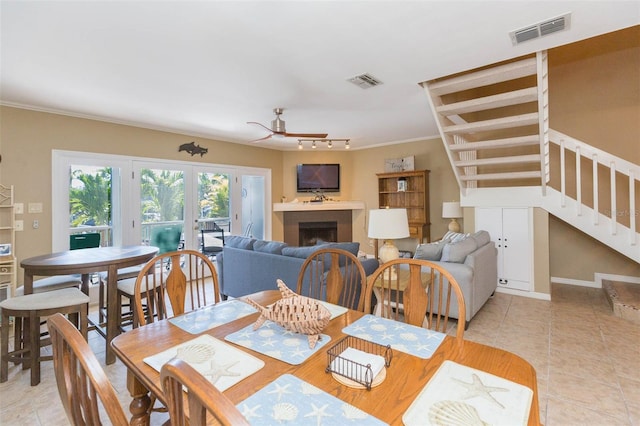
column 415, row 198
column 7, row 243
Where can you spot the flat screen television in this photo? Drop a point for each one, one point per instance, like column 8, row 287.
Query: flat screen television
column 318, row 177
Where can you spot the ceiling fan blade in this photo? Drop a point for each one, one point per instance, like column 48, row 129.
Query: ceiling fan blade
column 305, row 135
column 261, row 125
column 261, row 139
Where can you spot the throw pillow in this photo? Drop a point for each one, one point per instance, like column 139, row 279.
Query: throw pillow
column 454, row 237
column 482, row 238
column 457, row 252
column 430, row 251
column 237, row 241
column 273, row 247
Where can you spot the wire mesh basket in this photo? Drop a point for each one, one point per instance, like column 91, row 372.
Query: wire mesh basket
column 352, row 370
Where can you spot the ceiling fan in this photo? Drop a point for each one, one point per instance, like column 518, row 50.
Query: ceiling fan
column 278, row 129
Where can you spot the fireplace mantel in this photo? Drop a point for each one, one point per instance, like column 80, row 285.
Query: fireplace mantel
column 325, row 205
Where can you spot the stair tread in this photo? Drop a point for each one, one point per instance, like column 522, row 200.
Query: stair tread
column 496, row 143
column 494, row 124
column 490, row 102
column 502, row 176
column 515, row 159
column 485, row 77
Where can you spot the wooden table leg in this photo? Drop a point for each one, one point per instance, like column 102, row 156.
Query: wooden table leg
column 112, row 312
column 141, row 402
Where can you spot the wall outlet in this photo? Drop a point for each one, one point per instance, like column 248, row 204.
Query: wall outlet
column 35, row 207
column 19, row 225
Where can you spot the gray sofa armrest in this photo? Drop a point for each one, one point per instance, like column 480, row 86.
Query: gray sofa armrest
column 484, row 262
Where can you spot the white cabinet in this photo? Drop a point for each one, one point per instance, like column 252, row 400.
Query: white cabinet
column 510, row 229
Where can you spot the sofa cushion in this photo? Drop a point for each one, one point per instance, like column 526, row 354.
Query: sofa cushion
column 237, row 241
column 457, row 252
column 430, row 251
column 274, row 247
column 301, row 252
column 482, row 238
column 351, row 247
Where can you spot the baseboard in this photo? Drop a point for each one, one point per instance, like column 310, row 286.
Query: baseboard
column 580, row 283
column 529, row 294
column 612, row 277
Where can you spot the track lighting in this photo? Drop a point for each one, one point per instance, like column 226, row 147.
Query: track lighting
column 329, row 142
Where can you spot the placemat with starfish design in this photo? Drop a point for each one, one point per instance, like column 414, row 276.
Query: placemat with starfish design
column 290, row 400
column 222, row 364
column 273, row 340
column 407, row 338
column 195, row 322
column 458, row 391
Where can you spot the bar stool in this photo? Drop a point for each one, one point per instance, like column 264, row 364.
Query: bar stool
column 27, row 311
column 52, row 283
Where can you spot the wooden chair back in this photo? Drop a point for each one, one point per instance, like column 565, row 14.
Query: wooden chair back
column 173, row 283
column 333, row 275
column 418, row 292
column 82, row 383
column 206, row 404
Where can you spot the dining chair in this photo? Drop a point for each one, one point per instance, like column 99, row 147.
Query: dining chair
column 82, row 383
column 210, row 244
column 27, row 311
column 167, row 238
column 418, row 292
column 334, row 275
column 173, row 291
column 206, row 403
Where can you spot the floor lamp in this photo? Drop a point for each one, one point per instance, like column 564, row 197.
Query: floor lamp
column 388, row 225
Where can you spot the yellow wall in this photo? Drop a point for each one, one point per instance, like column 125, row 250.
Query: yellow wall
column 359, row 181
column 594, row 96
column 28, row 137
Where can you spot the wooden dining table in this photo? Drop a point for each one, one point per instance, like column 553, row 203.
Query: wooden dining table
column 85, row 262
column 406, row 376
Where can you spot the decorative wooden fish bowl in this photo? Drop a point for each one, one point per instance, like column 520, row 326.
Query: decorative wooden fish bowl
column 295, row 313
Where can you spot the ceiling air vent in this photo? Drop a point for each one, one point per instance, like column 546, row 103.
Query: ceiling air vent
column 550, row 26
column 365, row 81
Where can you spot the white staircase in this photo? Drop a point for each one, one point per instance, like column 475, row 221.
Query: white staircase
column 494, row 123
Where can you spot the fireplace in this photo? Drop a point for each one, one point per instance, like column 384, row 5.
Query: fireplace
column 309, row 233
column 304, row 228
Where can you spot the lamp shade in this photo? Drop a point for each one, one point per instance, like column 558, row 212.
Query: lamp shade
column 451, row 209
column 388, row 224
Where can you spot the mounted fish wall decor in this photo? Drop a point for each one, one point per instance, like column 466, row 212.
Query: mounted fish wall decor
column 295, row 313
column 193, row 149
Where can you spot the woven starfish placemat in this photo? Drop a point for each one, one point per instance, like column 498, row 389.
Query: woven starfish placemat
column 458, row 391
column 289, row 400
column 195, row 322
column 220, row 363
column 403, row 337
column 273, row 340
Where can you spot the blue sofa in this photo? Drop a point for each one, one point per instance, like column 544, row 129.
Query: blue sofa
column 247, row 265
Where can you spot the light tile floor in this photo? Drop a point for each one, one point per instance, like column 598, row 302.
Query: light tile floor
column 587, row 361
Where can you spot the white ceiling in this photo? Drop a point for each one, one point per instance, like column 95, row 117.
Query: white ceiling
column 205, row 68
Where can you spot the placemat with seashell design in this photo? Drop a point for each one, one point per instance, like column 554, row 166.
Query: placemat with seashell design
column 273, row 340
column 290, row 400
column 460, row 393
column 407, row 338
column 195, row 322
column 222, row 364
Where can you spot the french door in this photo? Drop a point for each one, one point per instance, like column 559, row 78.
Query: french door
column 125, row 197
